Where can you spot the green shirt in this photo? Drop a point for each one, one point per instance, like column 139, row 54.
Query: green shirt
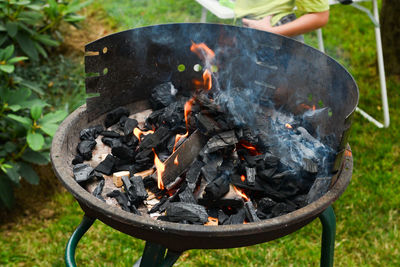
column 258, row 9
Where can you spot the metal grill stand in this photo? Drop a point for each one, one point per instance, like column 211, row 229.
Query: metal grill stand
column 154, row 254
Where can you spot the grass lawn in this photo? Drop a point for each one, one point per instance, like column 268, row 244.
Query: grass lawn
column 367, row 213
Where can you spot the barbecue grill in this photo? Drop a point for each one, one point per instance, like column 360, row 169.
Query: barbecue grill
column 122, row 69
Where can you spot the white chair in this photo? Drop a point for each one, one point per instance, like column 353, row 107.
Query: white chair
column 224, row 12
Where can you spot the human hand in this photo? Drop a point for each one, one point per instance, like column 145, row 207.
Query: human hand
column 263, row 24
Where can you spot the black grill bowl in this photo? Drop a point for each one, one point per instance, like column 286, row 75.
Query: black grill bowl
column 136, row 60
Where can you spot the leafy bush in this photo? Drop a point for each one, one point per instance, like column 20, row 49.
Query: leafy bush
column 33, row 25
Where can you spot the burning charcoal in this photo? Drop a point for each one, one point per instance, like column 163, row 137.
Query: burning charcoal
column 97, row 191
column 90, row 133
column 187, row 196
column 155, row 139
column 111, row 142
column 265, row 205
column 162, row 95
column 114, row 116
column 137, row 191
column 107, row 165
column 192, row 213
column 85, row 148
column 206, row 125
column 123, row 152
column 318, row 189
column 212, row 221
column 217, row 188
column 237, row 218
column 78, row 159
column 281, row 209
column 82, row 172
column 250, row 212
column 230, row 199
column 193, row 174
column 222, row 217
column 206, row 102
column 250, row 176
column 110, row 134
column 129, row 125
column 220, row 141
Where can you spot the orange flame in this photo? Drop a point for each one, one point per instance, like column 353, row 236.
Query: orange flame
column 160, row 170
column 243, row 178
column 240, row 193
column 253, row 150
column 138, row 133
column 202, row 51
column 176, row 162
column 187, row 109
column 287, row 125
column 207, row 80
column 305, row 106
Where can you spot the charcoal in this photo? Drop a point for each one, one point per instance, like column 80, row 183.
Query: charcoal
column 78, row 159
column 164, row 205
column 318, row 189
column 107, row 165
column 187, row 196
column 152, row 119
column 250, row 212
column 277, row 178
column 157, row 206
column 172, row 116
column 237, row 218
column 122, row 121
column 281, row 209
column 210, row 170
column 90, row 133
column 137, row 191
column 129, row 125
column 250, row 176
column 123, row 152
column 266, row 174
column 114, row 116
column 222, row 217
column 193, row 213
column 144, row 155
column 111, row 134
column 270, row 160
column 220, row 141
column 192, row 175
column 309, row 166
column 99, row 188
column 206, row 125
column 206, row 102
column 82, row 172
column 123, row 201
column 127, row 183
column 157, row 138
column 230, row 199
column 305, row 135
column 251, row 161
column 217, row 188
column 300, row 201
column 149, row 182
column 85, row 148
column 265, row 205
column 111, row 142
column 162, row 95
column 130, row 140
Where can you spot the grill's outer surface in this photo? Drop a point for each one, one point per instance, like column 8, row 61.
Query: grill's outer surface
column 138, row 59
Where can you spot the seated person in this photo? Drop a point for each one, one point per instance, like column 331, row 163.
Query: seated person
column 277, row 16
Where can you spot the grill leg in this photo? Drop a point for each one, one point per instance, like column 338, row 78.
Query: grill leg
column 154, row 255
column 328, row 221
column 74, row 239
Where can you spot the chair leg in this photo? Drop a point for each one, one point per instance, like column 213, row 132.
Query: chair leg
column 86, row 223
column 320, row 40
column 328, row 221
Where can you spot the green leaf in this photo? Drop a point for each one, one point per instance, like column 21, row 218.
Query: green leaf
column 7, row 68
column 27, row 45
column 32, row 102
column 28, row 173
column 14, row 108
column 3, row 39
column 34, row 7
column 34, row 157
column 46, row 40
column 35, row 140
column 53, row 8
column 34, row 87
column 10, row 147
column 36, row 111
column 53, row 117
column 75, row 6
column 49, row 128
column 74, row 18
column 16, row 97
column 6, row 192
column 24, row 120
column 17, row 59
column 12, row 28
column 8, row 52
column 41, row 50
column 12, row 173
column 23, row 3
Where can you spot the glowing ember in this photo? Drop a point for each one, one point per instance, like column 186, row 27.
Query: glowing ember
column 138, row 133
column 211, row 221
column 240, row 193
column 287, row 125
column 253, row 150
column 305, row 106
column 176, row 162
column 243, row 178
column 160, row 170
